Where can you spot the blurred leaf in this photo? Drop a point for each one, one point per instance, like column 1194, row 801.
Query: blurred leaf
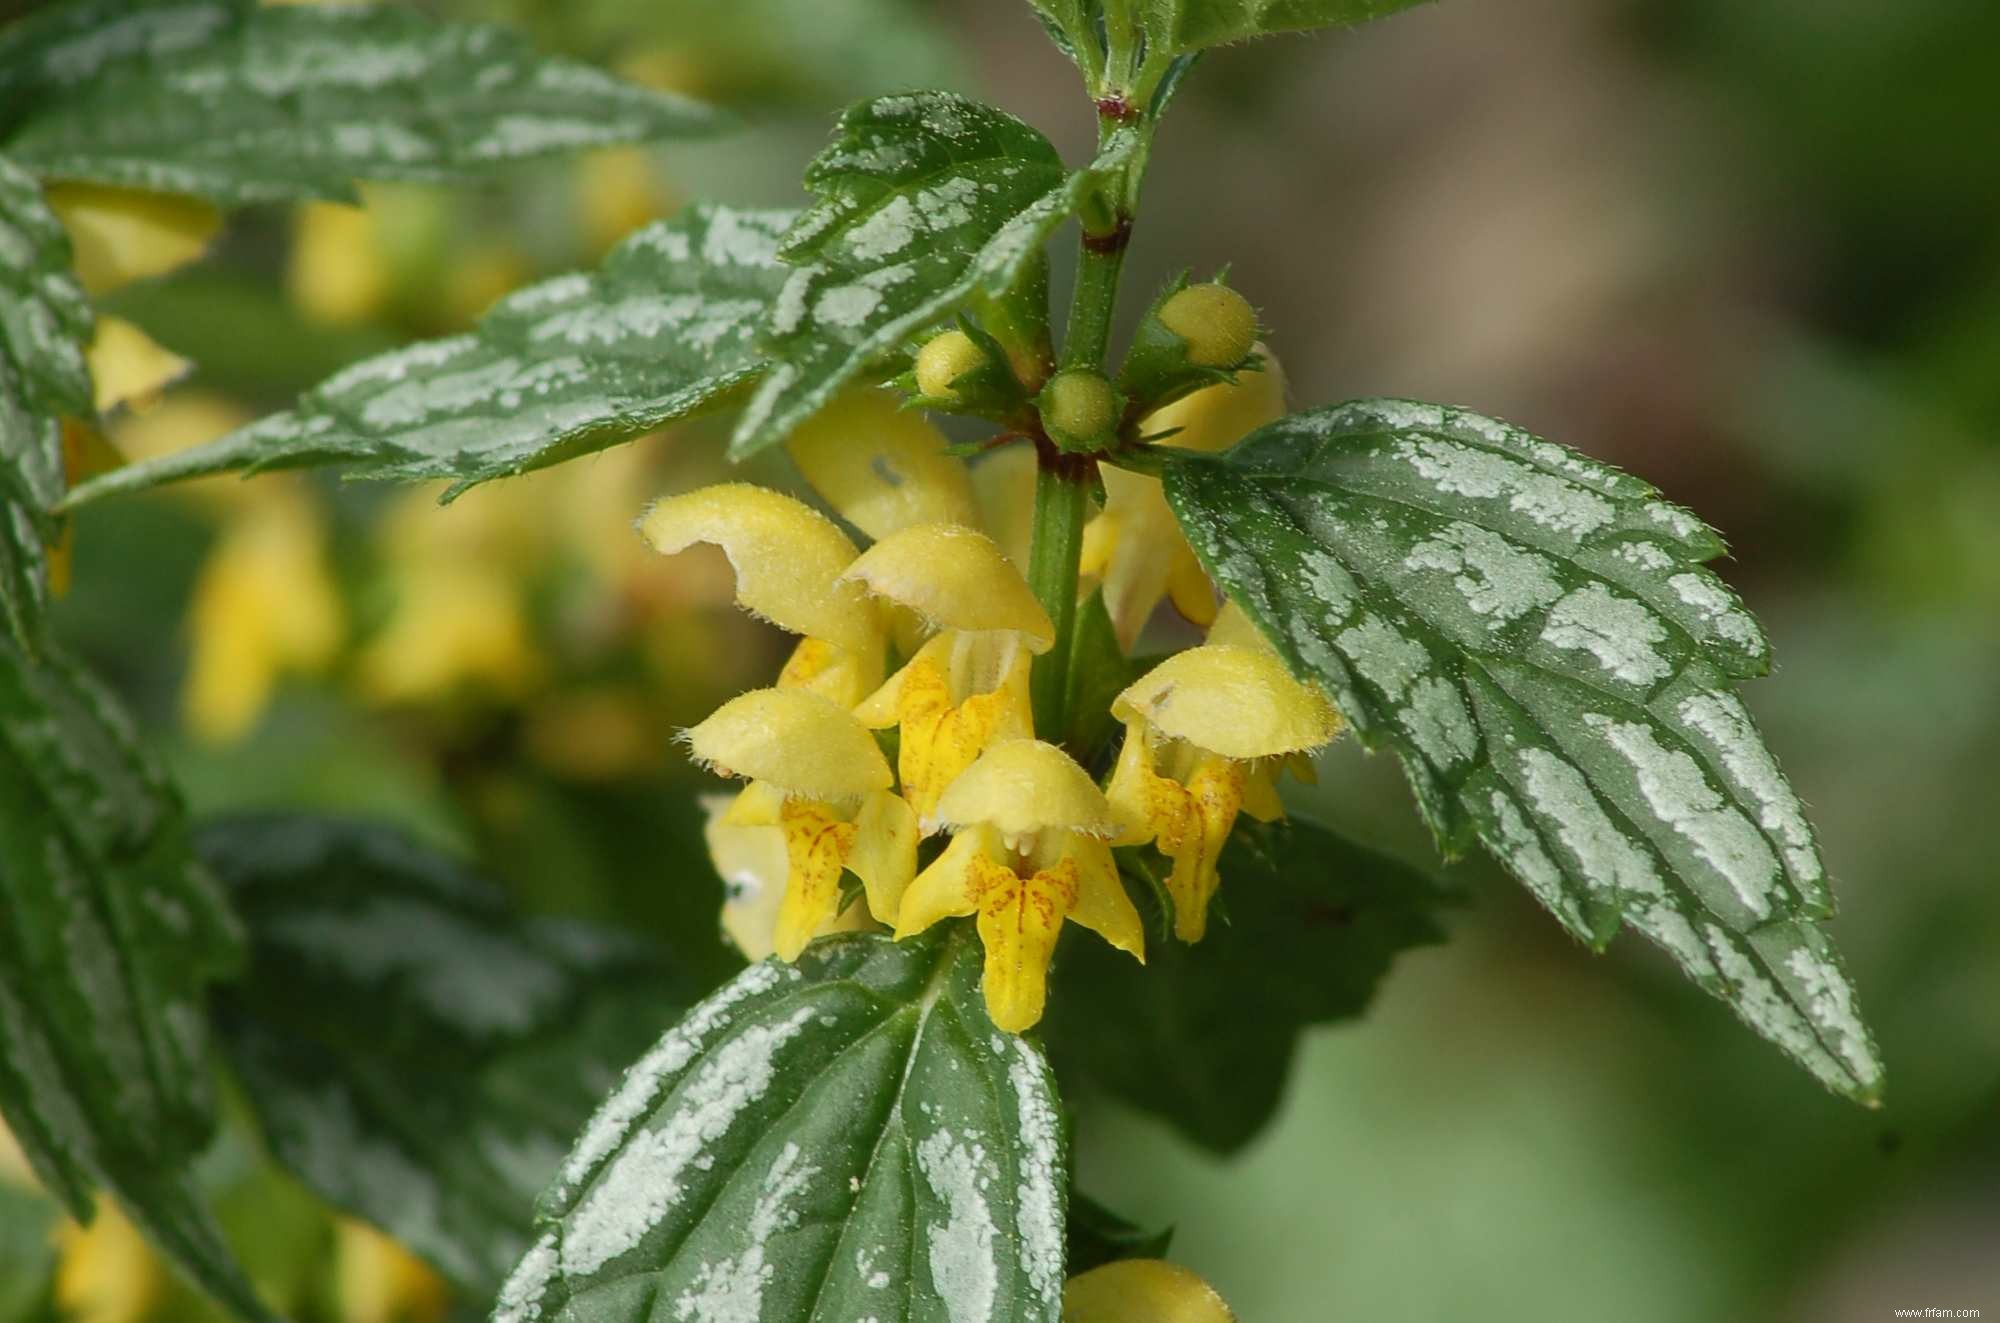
column 1190, row 25
column 109, row 931
column 27, row 1254
column 1098, row 1236
column 924, row 198
column 1532, row 632
column 849, row 1138
column 1099, row 670
column 1203, row 1036
column 241, row 103
column 419, row 1055
column 565, row 368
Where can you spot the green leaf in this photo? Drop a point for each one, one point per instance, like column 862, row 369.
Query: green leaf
column 1534, row 634
column 45, row 325
column 849, row 1138
column 925, row 198
column 662, row 330
column 240, row 103
column 419, row 1055
column 1190, row 25
column 27, row 1255
column 1099, row 671
column 109, row 932
column 1203, row 1036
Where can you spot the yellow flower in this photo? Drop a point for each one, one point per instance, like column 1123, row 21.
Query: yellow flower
column 1142, row 1291
column 789, row 560
column 1205, row 734
column 1135, row 549
column 967, row 687
column 264, row 604
column 818, row 777
column 381, row 1282
column 120, row 235
column 128, row 367
column 106, row 1272
column 1029, row 849
column 338, row 274
column 882, row 468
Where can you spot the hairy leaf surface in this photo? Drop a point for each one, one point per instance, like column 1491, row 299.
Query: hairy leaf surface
column 419, row 1055
column 109, row 933
column 846, row 1139
column 1534, row 633
column 241, row 103
column 925, row 197
column 1190, row 25
column 662, row 330
column 1203, row 1036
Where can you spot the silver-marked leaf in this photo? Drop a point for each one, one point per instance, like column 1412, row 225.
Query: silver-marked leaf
column 1534, row 633
column 664, row 329
column 844, row 1140
column 109, row 933
column 45, row 324
column 1190, row 25
column 418, row 1054
column 244, row 103
column 924, row 198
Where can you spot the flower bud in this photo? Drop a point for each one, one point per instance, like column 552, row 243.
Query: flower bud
column 1079, row 408
column 1218, row 324
column 943, row 360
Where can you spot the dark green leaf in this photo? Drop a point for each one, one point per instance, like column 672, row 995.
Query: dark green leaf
column 1533, row 632
column 244, row 103
column 1099, row 671
column 1190, row 25
column 27, row 1255
column 109, row 932
column 924, row 198
column 1202, row 1036
column 1098, row 1236
column 45, row 324
column 847, row 1139
column 419, row 1055
column 565, row 368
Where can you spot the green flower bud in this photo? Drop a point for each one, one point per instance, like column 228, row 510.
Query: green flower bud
column 1218, row 324
column 943, row 360
column 1079, row 408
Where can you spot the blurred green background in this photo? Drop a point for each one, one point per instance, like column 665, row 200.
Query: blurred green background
column 1748, row 251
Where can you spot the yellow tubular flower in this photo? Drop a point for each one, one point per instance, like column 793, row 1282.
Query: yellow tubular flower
column 1003, row 484
column 882, row 468
column 1030, row 848
column 121, row 234
column 1205, row 731
column 338, row 274
column 789, row 560
column 381, row 1282
column 106, row 1272
column 127, row 366
column 264, row 604
column 1134, row 549
column 819, row 778
column 1142, row 1291
column 968, row 686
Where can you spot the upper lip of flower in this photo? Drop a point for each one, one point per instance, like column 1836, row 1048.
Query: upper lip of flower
column 799, row 741
column 1023, row 786
column 1237, row 701
column 955, row 577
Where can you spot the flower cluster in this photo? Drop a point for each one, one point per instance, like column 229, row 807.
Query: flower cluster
column 904, row 712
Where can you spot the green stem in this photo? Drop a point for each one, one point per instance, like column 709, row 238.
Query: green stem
column 1062, row 504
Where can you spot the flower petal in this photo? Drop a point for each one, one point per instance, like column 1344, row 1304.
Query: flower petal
column 1217, row 417
column 1102, row 904
column 800, row 742
column 749, row 856
column 816, row 848
column 831, row 671
column 1020, row 919
column 940, row 732
column 943, row 890
column 884, row 856
column 881, row 467
column 127, row 366
column 122, row 234
column 788, row 558
column 1022, row 786
column 955, row 577
column 1236, row 701
column 1003, row 483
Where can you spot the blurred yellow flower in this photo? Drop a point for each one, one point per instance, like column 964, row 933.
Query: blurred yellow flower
column 106, row 1272
column 378, row 1281
column 120, row 235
